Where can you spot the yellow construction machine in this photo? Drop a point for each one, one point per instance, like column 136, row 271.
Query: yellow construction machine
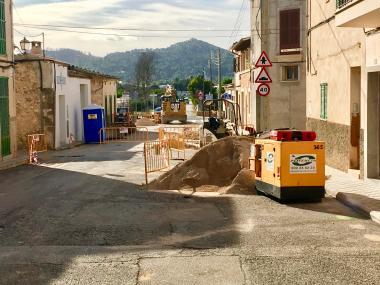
column 172, row 109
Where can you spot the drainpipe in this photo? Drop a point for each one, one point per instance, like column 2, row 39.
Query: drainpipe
column 54, row 103
column 42, row 125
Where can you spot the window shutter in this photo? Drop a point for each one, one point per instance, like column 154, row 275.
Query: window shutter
column 3, row 45
column 290, row 29
column 4, row 118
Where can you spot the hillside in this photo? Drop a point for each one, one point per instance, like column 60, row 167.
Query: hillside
column 180, row 60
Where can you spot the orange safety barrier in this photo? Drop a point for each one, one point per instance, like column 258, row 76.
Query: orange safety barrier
column 176, row 142
column 191, row 135
column 123, row 134
column 156, row 156
column 36, row 144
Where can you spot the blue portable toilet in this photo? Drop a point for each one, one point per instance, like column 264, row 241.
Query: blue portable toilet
column 93, row 122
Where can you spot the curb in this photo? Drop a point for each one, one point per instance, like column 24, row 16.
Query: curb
column 358, row 206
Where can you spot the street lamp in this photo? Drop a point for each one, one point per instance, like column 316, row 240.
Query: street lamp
column 153, row 99
column 24, row 45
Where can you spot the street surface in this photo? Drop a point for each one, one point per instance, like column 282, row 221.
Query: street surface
column 82, row 217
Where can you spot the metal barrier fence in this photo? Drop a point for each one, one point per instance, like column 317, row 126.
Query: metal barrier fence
column 191, row 135
column 156, row 156
column 123, row 134
column 148, row 115
column 36, row 144
column 176, row 142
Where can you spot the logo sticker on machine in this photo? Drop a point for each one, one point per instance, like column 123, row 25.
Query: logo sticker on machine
column 176, row 107
column 303, row 163
column 270, row 161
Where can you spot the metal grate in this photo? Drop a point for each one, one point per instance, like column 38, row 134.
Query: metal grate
column 341, row 3
column 4, row 118
column 324, row 94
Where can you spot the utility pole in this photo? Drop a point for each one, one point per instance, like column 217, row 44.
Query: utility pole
column 204, row 78
column 219, row 62
column 210, row 66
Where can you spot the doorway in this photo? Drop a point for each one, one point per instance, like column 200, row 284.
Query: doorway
column 83, row 104
column 355, row 94
column 373, row 119
column 62, row 121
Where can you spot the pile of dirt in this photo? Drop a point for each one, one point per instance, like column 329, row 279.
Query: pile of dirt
column 221, row 165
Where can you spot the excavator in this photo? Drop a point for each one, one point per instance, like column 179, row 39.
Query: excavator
column 222, row 123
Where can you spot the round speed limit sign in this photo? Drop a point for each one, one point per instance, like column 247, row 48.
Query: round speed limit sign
column 263, row 89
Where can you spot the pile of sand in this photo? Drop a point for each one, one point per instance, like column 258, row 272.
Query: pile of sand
column 222, row 166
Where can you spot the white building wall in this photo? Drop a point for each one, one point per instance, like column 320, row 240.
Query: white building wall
column 334, row 52
column 76, row 103
column 70, row 115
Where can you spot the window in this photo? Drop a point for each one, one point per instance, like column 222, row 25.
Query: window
column 290, row 73
column 290, row 30
column 324, row 92
column 3, row 41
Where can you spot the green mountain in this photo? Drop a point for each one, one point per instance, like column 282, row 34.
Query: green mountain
column 180, row 60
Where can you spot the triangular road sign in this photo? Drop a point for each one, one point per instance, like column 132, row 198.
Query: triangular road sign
column 263, row 77
column 263, row 60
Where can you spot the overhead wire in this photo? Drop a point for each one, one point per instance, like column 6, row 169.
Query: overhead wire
column 121, row 29
column 26, row 35
column 132, row 35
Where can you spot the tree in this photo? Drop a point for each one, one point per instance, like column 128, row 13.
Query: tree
column 144, row 72
column 181, row 84
column 120, row 90
column 226, row 81
column 198, row 83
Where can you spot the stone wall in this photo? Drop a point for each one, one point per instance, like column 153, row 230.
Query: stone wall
column 337, row 138
column 35, row 105
column 97, row 91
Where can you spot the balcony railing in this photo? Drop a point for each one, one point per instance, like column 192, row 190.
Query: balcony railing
column 342, row 3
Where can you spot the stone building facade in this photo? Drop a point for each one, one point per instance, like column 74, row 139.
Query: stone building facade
column 35, row 102
column 242, row 79
column 343, row 82
column 49, row 101
column 279, row 28
column 8, row 141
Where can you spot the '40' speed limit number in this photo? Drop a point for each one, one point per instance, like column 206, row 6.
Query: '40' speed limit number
column 263, row 89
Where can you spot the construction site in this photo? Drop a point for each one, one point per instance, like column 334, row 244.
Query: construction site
column 173, row 198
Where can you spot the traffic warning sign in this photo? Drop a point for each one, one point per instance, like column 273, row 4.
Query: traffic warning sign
column 263, row 77
column 263, row 60
column 263, row 90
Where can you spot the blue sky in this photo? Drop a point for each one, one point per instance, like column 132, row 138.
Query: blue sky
column 136, row 14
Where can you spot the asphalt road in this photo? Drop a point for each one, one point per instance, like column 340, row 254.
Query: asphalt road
column 82, row 217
